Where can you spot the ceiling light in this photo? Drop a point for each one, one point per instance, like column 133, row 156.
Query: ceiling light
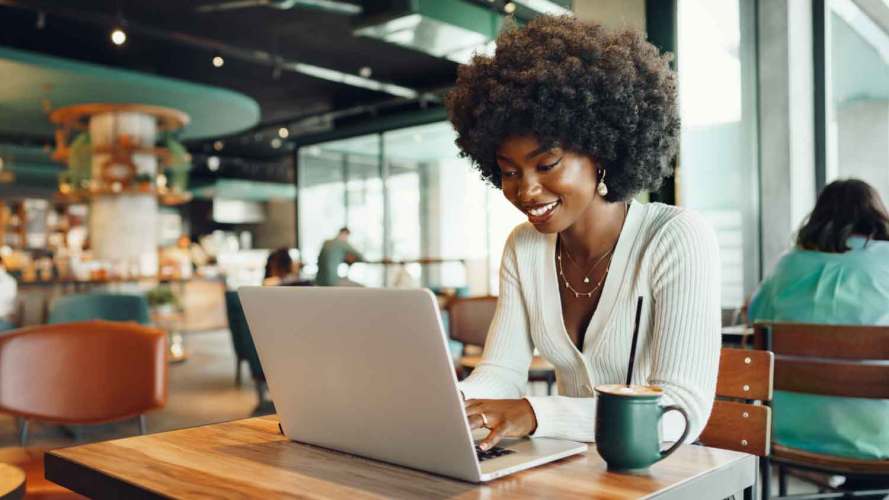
column 218, row 61
column 365, row 71
column 276, row 143
column 118, row 37
column 283, row 133
column 213, row 163
column 218, row 145
column 509, row 8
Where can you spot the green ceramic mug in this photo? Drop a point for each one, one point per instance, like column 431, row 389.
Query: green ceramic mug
column 627, row 426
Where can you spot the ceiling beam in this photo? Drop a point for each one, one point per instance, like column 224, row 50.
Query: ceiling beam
column 255, row 56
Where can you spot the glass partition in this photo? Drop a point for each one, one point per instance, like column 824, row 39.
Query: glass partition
column 407, row 197
column 857, row 93
column 718, row 169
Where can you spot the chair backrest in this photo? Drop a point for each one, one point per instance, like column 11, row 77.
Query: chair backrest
column 737, row 422
column 830, row 360
column 242, row 340
column 470, row 317
column 84, row 372
column 105, row 306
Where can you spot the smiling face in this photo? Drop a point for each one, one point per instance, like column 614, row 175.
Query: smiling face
column 553, row 187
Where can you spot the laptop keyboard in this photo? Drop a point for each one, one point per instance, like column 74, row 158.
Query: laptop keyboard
column 492, row 453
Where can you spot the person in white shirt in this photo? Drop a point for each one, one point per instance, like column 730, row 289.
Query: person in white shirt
column 570, row 121
column 8, row 291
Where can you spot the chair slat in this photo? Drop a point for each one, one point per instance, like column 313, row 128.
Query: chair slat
column 745, row 374
column 833, row 341
column 738, row 426
column 828, row 463
column 832, row 378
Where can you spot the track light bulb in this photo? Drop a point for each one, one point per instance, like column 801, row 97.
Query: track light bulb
column 118, row 37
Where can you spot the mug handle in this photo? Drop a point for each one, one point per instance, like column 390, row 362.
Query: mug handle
column 664, row 409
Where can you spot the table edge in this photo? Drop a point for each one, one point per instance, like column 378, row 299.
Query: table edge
column 91, row 482
column 682, row 484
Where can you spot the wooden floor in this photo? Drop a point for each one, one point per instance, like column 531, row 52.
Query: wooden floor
column 202, row 391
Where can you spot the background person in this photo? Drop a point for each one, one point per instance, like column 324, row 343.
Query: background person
column 280, row 269
column 838, row 273
column 334, row 252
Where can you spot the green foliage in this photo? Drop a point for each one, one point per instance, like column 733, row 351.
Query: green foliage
column 161, row 295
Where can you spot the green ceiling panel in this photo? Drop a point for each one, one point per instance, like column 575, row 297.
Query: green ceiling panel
column 28, row 79
column 241, row 189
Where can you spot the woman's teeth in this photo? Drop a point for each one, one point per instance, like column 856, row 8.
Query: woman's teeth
column 542, row 210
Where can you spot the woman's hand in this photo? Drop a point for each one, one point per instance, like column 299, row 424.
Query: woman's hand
column 504, row 417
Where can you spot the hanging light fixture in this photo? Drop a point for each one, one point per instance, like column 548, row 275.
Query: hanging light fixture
column 118, row 36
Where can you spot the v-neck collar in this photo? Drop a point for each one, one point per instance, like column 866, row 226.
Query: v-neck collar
column 610, row 289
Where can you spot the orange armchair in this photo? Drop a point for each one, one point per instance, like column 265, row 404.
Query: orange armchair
column 87, row 372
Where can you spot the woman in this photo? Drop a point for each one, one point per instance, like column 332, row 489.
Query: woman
column 280, row 269
column 570, row 121
column 837, row 274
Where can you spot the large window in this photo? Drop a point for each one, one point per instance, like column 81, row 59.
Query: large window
column 717, row 172
column 407, row 196
column 857, row 92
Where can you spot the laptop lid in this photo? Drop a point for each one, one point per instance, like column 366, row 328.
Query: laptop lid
column 365, row 371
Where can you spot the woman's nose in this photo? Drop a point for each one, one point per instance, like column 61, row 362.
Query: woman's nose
column 529, row 188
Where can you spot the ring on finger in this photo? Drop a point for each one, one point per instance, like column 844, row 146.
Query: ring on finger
column 484, row 420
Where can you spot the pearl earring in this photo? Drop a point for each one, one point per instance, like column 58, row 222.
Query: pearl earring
column 602, row 189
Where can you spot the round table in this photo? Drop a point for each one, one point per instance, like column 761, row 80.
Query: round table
column 12, row 482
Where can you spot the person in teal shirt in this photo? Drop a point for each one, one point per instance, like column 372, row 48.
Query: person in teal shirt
column 837, row 274
column 334, row 252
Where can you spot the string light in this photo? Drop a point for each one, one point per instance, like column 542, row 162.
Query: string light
column 218, row 61
column 118, row 37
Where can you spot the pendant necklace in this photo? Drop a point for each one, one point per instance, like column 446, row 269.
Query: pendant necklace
column 586, row 278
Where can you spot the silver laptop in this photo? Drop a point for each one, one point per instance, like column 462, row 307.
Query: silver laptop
column 367, row 372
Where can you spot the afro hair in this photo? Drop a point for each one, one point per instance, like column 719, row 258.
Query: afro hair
column 607, row 94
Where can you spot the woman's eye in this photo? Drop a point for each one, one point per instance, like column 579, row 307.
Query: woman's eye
column 548, row 166
column 508, row 173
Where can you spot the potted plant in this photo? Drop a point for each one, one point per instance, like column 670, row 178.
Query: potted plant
column 162, row 299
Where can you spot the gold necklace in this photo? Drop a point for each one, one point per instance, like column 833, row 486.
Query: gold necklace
column 571, row 288
column 586, row 276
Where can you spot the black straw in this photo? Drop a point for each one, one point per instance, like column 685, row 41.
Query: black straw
column 635, row 338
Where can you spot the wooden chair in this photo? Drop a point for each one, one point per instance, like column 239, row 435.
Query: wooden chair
column 469, row 320
column 741, row 419
column 88, row 372
column 828, row 360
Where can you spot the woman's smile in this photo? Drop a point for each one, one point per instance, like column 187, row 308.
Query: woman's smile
column 551, row 186
column 541, row 213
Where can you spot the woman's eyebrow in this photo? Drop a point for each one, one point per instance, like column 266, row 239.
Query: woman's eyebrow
column 507, row 160
column 539, row 151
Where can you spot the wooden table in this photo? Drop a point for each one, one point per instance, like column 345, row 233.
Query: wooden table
column 250, row 458
column 12, row 482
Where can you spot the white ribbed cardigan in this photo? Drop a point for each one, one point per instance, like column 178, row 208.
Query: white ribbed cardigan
column 669, row 256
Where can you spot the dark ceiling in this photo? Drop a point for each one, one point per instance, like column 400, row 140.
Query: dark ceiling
column 171, row 38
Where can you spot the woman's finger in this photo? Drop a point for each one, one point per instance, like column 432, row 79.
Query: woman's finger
column 472, row 403
column 475, row 422
column 493, row 438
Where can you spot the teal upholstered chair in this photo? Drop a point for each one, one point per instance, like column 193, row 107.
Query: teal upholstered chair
column 242, row 341
column 106, row 306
